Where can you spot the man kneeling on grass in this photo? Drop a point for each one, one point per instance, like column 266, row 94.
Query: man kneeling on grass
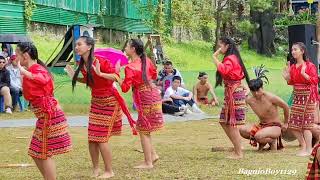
column 265, row 106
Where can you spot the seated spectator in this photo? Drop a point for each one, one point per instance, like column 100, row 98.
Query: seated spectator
column 15, row 81
column 166, row 75
column 169, row 108
column 6, row 51
column 202, row 89
column 4, row 85
column 180, row 96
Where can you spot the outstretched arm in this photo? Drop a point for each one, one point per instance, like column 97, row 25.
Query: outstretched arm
column 110, row 76
column 70, row 71
column 215, row 99
column 195, row 94
column 39, row 76
column 279, row 102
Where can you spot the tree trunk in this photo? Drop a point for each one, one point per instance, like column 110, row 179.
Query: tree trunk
column 240, row 11
column 218, row 22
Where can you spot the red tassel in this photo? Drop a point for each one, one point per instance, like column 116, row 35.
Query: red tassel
column 134, row 131
column 125, row 110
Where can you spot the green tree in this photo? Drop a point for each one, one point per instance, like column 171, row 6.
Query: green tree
column 153, row 15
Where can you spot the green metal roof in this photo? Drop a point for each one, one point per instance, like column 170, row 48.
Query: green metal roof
column 12, row 17
column 126, row 24
column 52, row 15
column 122, row 15
column 83, row 6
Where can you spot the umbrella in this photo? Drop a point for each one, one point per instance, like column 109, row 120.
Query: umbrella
column 113, row 55
column 13, row 38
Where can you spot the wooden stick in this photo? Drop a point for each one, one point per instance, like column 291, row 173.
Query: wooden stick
column 16, row 165
column 139, row 150
column 22, row 137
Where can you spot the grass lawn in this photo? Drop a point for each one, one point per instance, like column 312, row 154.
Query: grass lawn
column 184, row 149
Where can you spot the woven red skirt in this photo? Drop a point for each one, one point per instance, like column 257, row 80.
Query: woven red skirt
column 105, row 119
column 302, row 112
column 239, row 99
column 50, row 136
column 149, row 105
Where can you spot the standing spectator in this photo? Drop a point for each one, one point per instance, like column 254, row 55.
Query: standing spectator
column 165, row 76
column 4, row 85
column 15, row 81
column 139, row 37
column 7, row 51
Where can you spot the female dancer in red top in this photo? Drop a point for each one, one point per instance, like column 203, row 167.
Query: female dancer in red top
column 231, row 70
column 302, row 75
column 139, row 74
column 50, row 136
column 105, row 117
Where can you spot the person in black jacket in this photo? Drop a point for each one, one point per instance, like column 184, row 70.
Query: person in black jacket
column 4, row 85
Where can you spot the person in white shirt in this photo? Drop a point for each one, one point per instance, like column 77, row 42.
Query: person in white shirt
column 180, row 96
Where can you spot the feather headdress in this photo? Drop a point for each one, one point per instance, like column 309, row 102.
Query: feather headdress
column 260, row 73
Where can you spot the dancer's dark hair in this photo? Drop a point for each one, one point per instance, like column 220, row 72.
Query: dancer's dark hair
column 138, row 46
column 31, row 49
column 89, row 81
column 232, row 50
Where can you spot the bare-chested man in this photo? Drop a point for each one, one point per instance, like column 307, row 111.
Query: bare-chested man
column 265, row 106
column 202, row 89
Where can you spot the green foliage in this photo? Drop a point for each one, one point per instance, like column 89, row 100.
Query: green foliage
column 261, row 5
column 245, row 27
column 196, row 16
column 102, row 12
column 302, row 17
column 153, row 15
column 183, row 13
column 29, row 6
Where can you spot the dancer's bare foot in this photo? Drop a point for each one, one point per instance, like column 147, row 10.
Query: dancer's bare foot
column 95, row 173
column 302, row 153
column 155, row 158
column 218, row 149
column 106, row 175
column 139, row 150
column 235, row 156
column 144, row 165
column 309, row 152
